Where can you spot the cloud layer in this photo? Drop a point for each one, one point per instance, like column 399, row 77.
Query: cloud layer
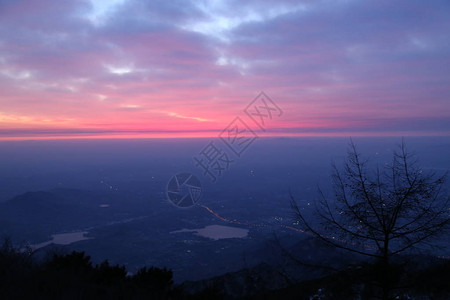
column 334, row 67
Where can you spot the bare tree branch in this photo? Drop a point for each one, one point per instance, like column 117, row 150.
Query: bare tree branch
column 382, row 213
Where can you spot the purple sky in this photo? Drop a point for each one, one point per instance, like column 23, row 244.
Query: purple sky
column 187, row 68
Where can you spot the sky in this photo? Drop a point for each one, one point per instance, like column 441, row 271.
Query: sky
column 130, row 68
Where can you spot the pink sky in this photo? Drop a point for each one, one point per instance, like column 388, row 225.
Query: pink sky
column 121, row 68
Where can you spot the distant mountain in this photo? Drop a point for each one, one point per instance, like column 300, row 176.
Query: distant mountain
column 33, row 216
column 304, row 260
column 421, row 277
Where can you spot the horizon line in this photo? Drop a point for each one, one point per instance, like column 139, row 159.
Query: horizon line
column 123, row 135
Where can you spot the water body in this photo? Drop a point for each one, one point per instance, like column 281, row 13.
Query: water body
column 217, row 232
column 63, row 239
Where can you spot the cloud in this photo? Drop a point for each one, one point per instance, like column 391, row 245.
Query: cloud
column 173, row 114
column 120, row 62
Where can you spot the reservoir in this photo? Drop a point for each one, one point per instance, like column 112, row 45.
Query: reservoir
column 217, row 232
column 63, row 239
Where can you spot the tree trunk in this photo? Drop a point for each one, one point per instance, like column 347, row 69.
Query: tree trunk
column 385, row 267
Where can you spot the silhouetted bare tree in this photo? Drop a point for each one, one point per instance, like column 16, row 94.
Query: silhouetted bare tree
column 380, row 212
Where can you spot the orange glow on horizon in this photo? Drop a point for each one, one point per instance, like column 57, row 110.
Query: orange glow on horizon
column 197, row 135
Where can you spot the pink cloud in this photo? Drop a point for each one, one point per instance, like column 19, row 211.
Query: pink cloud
column 334, row 69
